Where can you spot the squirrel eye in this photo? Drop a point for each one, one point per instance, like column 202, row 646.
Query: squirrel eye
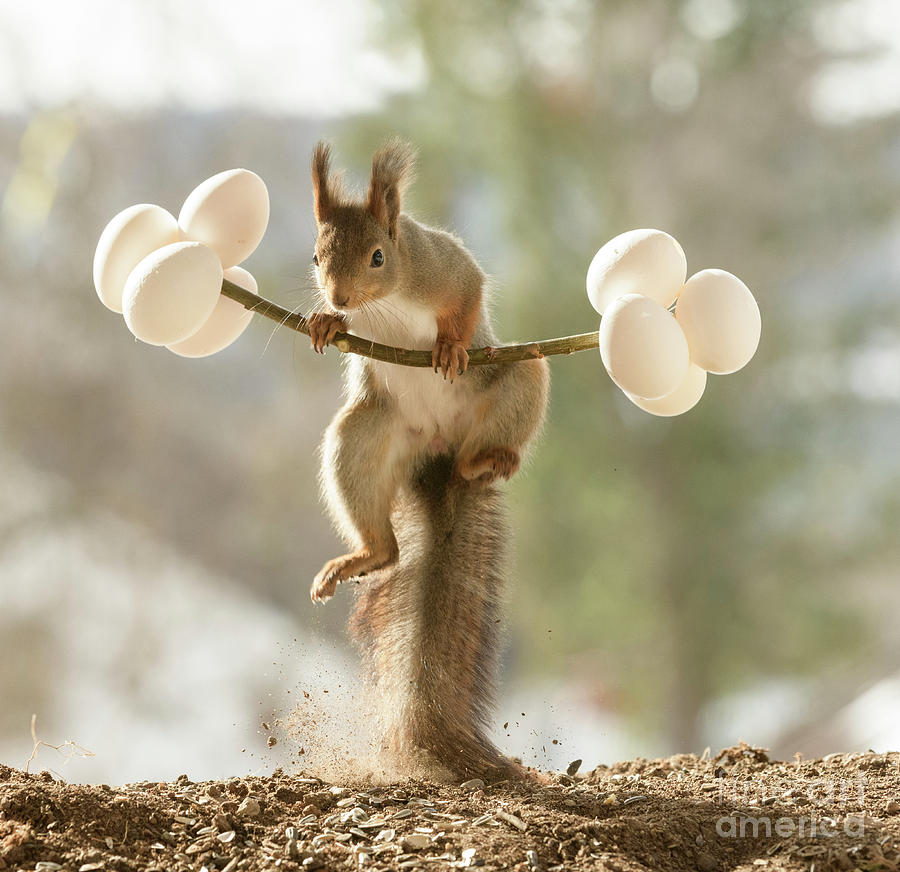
column 377, row 257
column 316, row 259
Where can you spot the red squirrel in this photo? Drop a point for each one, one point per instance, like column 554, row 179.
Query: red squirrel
column 409, row 464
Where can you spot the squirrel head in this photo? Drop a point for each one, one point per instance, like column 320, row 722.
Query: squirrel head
column 357, row 250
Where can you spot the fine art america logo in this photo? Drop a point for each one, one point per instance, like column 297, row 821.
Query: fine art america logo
column 755, row 809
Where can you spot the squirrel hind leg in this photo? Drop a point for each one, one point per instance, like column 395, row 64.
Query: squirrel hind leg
column 489, row 464
column 357, row 563
column 515, row 399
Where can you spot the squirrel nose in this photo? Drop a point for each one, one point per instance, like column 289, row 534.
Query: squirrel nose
column 340, row 302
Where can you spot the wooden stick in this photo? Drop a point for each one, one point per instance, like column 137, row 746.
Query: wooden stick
column 348, row 343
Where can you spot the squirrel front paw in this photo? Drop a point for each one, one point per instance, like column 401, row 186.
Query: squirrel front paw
column 322, row 329
column 450, row 356
column 490, row 464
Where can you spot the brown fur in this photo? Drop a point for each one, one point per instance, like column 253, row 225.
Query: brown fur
column 409, row 463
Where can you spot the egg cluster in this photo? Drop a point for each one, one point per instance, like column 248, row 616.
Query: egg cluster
column 165, row 274
column 658, row 356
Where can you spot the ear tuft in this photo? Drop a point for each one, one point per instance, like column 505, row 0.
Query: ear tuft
column 393, row 168
column 323, row 191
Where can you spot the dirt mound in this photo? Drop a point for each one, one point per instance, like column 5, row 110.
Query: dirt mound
column 736, row 810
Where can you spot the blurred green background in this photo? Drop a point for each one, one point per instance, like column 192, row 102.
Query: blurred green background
column 731, row 574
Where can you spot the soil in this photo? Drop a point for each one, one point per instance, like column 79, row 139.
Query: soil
column 736, row 810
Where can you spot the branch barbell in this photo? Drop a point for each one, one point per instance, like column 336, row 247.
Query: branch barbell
column 348, row 343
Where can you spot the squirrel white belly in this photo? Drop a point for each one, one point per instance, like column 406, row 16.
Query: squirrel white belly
column 431, row 409
column 409, row 466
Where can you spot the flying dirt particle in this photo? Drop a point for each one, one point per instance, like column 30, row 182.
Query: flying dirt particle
column 271, row 741
column 556, row 741
column 265, row 726
column 573, row 767
column 506, row 726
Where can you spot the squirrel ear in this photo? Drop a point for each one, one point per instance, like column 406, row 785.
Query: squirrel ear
column 323, row 196
column 392, row 170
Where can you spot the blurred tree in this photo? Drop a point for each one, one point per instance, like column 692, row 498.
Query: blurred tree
column 660, row 549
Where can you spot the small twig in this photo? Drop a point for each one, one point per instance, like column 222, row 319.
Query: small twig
column 347, row 342
column 74, row 749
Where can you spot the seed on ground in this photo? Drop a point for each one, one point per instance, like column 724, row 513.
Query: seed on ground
column 512, row 820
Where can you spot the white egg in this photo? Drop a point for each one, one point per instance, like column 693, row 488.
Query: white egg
column 171, row 292
column 683, row 398
column 647, row 262
column 126, row 240
column 720, row 319
column 227, row 322
column 229, row 213
column 642, row 346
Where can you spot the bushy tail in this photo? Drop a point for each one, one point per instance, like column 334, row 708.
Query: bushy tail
column 429, row 627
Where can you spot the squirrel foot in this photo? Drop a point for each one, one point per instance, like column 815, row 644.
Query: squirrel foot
column 450, row 356
column 322, row 328
column 490, row 464
column 349, row 566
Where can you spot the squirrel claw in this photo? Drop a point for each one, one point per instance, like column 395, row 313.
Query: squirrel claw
column 450, row 356
column 323, row 327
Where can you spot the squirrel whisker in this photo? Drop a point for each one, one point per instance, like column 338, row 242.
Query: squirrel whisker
column 277, row 327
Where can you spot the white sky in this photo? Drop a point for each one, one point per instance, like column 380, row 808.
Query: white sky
column 303, row 57
column 287, row 57
column 866, row 83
